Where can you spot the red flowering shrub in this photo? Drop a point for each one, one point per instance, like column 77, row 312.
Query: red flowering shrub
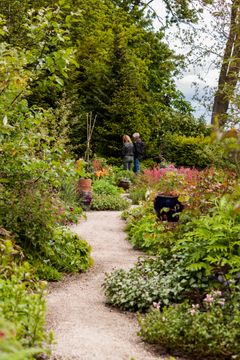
column 153, row 176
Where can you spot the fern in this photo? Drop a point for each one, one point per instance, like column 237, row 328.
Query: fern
column 215, row 240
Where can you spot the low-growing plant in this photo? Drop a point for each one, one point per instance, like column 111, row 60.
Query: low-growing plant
column 21, row 296
column 209, row 332
column 67, row 252
column 45, row 271
column 137, row 194
column 152, row 280
column 10, row 347
column 146, row 233
column 104, row 187
column 22, row 302
column 119, row 174
column 109, row 202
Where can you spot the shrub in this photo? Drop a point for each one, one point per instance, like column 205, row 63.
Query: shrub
column 191, row 151
column 137, row 194
column 24, row 307
column 10, row 347
column 213, row 242
column 109, row 202
column 104, row 187
column 148, row 234
column 151, row 280
column 66, row 252
column 213, row 332
column 21, row 296
column 45, row 271
column 119, row 174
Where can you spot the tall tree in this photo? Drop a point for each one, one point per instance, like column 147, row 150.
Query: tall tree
column 230, row 68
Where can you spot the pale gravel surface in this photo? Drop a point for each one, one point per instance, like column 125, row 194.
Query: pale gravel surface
column 84, row 327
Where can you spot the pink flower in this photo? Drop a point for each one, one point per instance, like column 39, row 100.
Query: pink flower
column 194, row 309
column 157, row 305
column 221, row 302
column 192, row 312
column 209, row 298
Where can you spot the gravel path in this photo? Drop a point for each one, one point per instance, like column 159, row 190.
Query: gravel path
column 84, row 327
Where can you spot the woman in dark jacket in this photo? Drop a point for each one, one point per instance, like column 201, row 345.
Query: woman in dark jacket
column 127, row 152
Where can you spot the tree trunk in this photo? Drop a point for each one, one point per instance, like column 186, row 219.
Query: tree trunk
column 230, row 68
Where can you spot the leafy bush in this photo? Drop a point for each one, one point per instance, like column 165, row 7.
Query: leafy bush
column 21, row 296
column 25, row 309
column 213, row 243
column 104, row 187
column 109, row 202
column 66, row 252
column 137, row 194
column 118, row 174
column 10, row 347
column 148, row 234
column 191, row 151
column 45, row 271
column 151, row 280
column 201, row 333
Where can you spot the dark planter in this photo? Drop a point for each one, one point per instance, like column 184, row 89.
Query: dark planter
column 85, row 198
column 124, row 183
column 170, row 202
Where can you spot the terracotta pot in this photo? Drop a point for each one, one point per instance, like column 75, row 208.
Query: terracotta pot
column 84, row 185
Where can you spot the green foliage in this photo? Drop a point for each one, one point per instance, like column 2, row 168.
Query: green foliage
column 124, row 77
column 151, row 280
column 213, row 333
column 109, row 202
column 118, row 174
column 21, row 299
column 107, row 196
column 181, row 124
column 137, row 194
column 197, row 254
column 148, row 234
column 66, row 252
column 213, row 243
column 45, row 271
column 191, row 151
column 24, row 308
column 10, row 347
column 104, row 187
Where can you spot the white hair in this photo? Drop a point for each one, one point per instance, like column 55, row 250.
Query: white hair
column 136, row 135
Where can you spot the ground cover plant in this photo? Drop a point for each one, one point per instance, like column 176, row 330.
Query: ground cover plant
column 197, row 258
column 107, row 196
column 206, row 331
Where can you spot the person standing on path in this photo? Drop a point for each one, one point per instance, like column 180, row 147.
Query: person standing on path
column 138, row 152
column 127, row 152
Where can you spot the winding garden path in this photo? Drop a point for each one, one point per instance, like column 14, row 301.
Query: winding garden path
column 84, row 327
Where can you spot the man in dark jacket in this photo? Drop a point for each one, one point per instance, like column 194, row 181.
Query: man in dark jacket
column 138, row 152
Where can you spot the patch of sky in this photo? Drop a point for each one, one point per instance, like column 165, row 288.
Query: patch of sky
column 200, row 77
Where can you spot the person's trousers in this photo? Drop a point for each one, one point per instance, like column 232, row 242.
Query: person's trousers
column 136, row 167
column 127, row 165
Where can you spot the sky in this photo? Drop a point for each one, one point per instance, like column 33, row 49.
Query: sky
column 185, row 84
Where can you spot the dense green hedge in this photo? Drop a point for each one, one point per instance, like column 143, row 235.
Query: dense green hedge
column 191, row 151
